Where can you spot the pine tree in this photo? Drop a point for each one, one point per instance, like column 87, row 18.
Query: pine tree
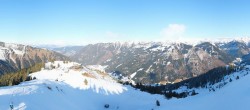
column 193, row 93
column 237, row 77
column 106, row 106
column 157, row 103
column 85, row 82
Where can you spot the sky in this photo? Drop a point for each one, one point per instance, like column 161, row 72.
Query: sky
column 75, row 22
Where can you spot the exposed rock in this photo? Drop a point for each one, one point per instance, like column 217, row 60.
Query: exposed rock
column 14, row 57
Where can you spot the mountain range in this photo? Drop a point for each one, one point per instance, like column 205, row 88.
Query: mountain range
column 159, row 62
column 121, row 76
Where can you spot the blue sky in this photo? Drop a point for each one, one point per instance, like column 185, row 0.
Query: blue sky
column 92, row 21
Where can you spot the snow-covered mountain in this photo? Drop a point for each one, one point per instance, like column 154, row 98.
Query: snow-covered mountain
column 161, row 62
column 72, row 86
column 14, row 57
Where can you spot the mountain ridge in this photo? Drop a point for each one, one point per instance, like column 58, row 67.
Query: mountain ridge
column 14, row 57
column 154, row 62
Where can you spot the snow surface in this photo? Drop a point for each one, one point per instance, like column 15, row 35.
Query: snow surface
column 8, row 48
column 18, row 49
column 133, row 75
column 2, row 54
column 57, row 89
column 168, row 63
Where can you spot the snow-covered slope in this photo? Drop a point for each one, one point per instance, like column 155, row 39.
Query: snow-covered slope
column 72, row 87
column 64, row 88
column 232, row 96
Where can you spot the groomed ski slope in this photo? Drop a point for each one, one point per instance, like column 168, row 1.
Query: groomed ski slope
column 65, row 88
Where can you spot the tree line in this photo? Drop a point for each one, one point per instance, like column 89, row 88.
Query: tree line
column 15, row 78
column 209, row 78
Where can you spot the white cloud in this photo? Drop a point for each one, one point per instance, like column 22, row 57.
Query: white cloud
column 173, row 32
